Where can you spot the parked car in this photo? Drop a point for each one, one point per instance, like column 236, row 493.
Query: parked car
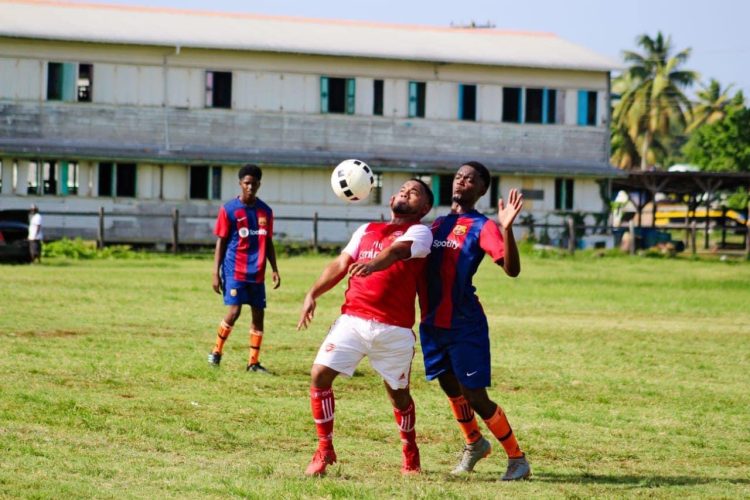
column 14, row 231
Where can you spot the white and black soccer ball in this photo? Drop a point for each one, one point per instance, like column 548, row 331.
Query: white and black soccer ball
column 352, row 180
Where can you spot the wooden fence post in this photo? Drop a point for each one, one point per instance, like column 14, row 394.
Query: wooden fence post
column 693, row 231
column 175, row 229
column 100, row 233
column 571, row 235
column 315, row 232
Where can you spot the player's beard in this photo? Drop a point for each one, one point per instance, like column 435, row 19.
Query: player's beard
column 402, row 208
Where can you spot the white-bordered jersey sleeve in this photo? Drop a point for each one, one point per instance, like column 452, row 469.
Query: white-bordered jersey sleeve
column 352, row 248
column 421, row 240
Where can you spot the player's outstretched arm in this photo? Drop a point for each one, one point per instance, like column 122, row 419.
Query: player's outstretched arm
column 506, row 215
column 400, row 250
column 331, row 275
column 219, row 252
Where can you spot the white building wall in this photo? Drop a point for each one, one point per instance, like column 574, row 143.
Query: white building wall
column 442, row 101
column 364, row 97
column 175, row 182
column 21, row 79
column 571, row 107
column 186, row 87
column 395, row 98
column 150, row 85
column 489, row 103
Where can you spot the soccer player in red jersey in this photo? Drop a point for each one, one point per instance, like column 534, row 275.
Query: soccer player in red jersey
column 244, row 231
column 453, row 331
column 384, row 261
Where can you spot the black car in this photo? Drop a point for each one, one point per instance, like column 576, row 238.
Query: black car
column 14, row 231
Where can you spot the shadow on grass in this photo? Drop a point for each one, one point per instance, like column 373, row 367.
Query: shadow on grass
column 633, row 480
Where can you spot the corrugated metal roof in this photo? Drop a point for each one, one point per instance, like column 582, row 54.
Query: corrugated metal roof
column 44, row 19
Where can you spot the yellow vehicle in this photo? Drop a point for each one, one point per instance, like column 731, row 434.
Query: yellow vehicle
column 678, row 215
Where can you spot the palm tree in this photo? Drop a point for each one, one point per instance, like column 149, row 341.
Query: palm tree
column 654, row 103
column 713, row 104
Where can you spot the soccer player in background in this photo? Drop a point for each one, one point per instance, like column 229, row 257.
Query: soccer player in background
column 244, row 231
column 384, row 261
column 453, row 331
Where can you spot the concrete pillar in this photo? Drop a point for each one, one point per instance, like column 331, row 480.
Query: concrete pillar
column 22, row 183
column 7, row 176
column 84, row 178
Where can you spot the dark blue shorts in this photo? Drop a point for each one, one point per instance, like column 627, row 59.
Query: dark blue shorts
column 237, row 293
column 464, row 352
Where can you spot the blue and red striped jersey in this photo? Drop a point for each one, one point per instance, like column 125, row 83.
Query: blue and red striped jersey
column 248, row 228
column 447, row 296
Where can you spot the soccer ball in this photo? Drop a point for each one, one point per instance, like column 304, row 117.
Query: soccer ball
column 352, row 180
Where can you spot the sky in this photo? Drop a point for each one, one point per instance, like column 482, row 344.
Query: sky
column 718, row 32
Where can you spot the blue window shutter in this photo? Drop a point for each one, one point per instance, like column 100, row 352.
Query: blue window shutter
column 521, row 104
column 460, row 101
column 323, row 94
column 583, row 107
column 63, row 179
column 545, row 105
column 69, row 81
column 412, row 99
column 350, row 89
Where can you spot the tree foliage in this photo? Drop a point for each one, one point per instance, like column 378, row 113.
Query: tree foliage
column 724, row 145
column 653, row 106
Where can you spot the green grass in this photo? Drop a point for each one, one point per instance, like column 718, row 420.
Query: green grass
column 621, row 377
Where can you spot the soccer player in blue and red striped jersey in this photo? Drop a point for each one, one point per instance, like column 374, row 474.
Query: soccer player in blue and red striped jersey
column 453, row 331
column 244, row 231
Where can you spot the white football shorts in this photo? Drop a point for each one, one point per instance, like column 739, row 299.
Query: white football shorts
column 390, row 349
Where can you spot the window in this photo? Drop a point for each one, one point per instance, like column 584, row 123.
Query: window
column 117, row 179
column 467, row 102
column 205, row 182
column 69, row 82
column 49, row 178
column 587, row 107
column 494, row 191
column 417, row 99
column 68, row 175
column 442, row 187
column 85, row 82
column 512, row 105
column 337, row 95
column 218, row 89
column 377, row 98
column 563, row 194
column 541, row 106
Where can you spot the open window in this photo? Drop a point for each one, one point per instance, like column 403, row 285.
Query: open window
column 563, row 194
column 69, row 82
column 117, row 179
column 512, row 105
column 417, row 99
column 218, row 89
column 205, row 182
column 337, row 95
column 467, row 102
column 377, row 97
column 587, row 107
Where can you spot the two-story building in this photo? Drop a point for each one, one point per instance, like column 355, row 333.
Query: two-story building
column 142, row 110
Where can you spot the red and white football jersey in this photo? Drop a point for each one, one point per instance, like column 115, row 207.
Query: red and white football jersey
column 386, row 296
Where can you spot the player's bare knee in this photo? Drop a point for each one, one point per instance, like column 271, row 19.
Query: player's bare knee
column 321, row 376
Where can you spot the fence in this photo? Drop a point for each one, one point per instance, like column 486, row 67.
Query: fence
column 169, row 229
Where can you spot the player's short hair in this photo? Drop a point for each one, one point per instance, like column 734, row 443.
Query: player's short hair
column 484, row 174
column 427, row 190
column 250, row 169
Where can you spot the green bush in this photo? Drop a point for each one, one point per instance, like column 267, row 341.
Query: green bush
column 80, row 249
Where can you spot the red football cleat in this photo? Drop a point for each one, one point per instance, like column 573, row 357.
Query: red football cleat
column 411, row 460
column 322, row 459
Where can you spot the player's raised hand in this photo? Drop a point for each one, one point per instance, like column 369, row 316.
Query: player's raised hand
column 308, row 312
column 276, row 279
column 507, row 214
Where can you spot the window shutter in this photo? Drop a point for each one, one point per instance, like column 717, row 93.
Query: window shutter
column 69, row 80
column 521, row 104
column 461, row 101
column 209, row 89
column 63, row 180
column 323, row 94
column 412, row 99
column 583, row 107
column 350, row 88
column 545, row 105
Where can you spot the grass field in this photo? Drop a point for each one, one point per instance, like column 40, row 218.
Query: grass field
column 621, row 376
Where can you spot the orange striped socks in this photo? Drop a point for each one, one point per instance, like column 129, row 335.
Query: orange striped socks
column 222, row 335
column 500, row 428
column 465, row 418
column 256, row 337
